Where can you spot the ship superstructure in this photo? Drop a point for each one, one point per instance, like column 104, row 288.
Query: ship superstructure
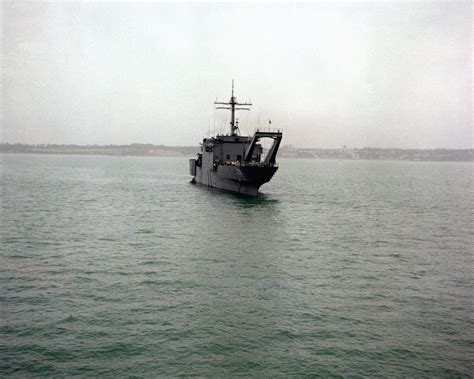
column 233, row 162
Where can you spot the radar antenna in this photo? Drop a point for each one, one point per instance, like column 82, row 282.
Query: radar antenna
column 231, row 105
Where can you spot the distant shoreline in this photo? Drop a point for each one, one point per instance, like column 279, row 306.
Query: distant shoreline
column 367, row 153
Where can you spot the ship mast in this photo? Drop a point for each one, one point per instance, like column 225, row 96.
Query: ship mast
column 231, row 105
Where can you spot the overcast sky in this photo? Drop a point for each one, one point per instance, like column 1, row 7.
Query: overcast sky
column 372, row 74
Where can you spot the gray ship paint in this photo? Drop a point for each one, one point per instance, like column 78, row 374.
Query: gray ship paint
column 233, row 162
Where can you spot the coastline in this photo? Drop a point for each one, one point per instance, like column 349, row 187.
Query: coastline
column 366, row 153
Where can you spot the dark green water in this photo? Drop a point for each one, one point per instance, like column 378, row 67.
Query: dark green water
column 117, row 266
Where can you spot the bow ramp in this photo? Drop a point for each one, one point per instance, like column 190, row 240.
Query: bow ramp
column 276, row 136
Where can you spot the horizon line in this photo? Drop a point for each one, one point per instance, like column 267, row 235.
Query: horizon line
column 288, row 145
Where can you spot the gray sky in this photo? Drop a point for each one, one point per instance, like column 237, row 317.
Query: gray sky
column 330, row 74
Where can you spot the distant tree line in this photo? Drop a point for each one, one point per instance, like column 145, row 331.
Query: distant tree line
column 146, row 149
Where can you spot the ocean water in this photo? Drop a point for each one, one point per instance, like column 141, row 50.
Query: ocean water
column 118, row 266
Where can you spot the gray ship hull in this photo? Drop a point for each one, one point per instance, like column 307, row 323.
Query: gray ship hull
column 244, row 180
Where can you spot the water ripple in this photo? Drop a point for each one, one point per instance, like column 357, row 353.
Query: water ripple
column 115, row 266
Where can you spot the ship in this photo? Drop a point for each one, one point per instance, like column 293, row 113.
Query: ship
column 233, row 162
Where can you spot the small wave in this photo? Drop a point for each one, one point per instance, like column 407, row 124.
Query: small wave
column 284, row 334
column 145, row 231
column 108, row 239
